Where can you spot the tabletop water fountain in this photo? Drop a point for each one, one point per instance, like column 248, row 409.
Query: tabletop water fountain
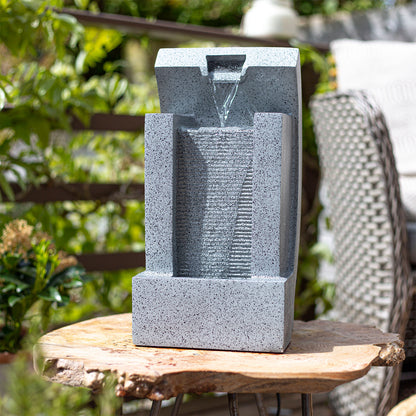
column 222, row 200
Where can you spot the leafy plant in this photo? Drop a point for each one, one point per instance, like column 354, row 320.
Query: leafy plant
column 44, row 83
column 27, row 394
column 32, row 272
column 28, row 26
column 215, row 13
column 31, row 36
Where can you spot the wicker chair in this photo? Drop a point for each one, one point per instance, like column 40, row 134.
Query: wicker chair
column 374, row 284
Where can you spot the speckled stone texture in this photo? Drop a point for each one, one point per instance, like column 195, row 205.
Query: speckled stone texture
column 270, row 83
column 222, row 202
column 227, row 314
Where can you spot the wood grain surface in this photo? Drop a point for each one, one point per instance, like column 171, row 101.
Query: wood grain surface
column 322, row 355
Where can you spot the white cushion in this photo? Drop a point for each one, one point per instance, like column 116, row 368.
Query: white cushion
column 411, row 237
column 408, row 194
column 387, row 70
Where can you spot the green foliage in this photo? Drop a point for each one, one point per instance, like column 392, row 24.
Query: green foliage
column 48, row 81
column 46, row 84
column 98, row 157
column 201, row 12
column 104, row 294
column 311, row 290
column 84, row 227
column 212, row 12
column 312, row 293
column 328, row 7
column 27, row 29
column 319, row 64
column 43, row 101
column 32, row 272
column 29, row 26
column 27, row 394
column 97, row 44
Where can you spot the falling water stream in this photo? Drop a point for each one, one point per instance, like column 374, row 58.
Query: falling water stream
column 224, row 76
column 224, row 94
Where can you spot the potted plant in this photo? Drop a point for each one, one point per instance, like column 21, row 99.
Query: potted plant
column 33, row 274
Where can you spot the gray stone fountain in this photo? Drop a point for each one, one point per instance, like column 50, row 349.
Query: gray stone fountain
column 222, row 196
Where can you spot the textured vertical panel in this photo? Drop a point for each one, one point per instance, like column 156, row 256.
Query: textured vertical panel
column 212, row 169
column 274, row 219
column 159, row 194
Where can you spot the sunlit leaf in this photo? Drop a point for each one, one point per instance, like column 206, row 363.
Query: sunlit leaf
column 82, row 4
column 6, row 188
column 80, row 62
column 12, row 300
column 54, row 294
column 2, row 98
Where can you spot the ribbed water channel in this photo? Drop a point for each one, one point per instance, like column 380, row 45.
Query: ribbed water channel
column 213, row 202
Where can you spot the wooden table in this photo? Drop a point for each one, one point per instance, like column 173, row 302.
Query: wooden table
column 321, row 356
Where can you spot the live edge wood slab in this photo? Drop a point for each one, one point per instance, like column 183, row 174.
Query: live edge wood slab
column 322, row 355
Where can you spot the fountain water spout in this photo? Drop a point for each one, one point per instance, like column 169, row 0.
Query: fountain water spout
column 225, row 74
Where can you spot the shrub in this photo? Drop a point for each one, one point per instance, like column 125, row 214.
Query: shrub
column 32, row 272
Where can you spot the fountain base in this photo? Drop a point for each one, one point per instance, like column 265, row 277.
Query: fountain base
column 253, row 314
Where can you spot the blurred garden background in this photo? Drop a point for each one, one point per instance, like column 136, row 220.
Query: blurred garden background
column 56, row 76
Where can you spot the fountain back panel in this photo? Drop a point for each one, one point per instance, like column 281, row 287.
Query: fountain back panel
column 222, row 195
